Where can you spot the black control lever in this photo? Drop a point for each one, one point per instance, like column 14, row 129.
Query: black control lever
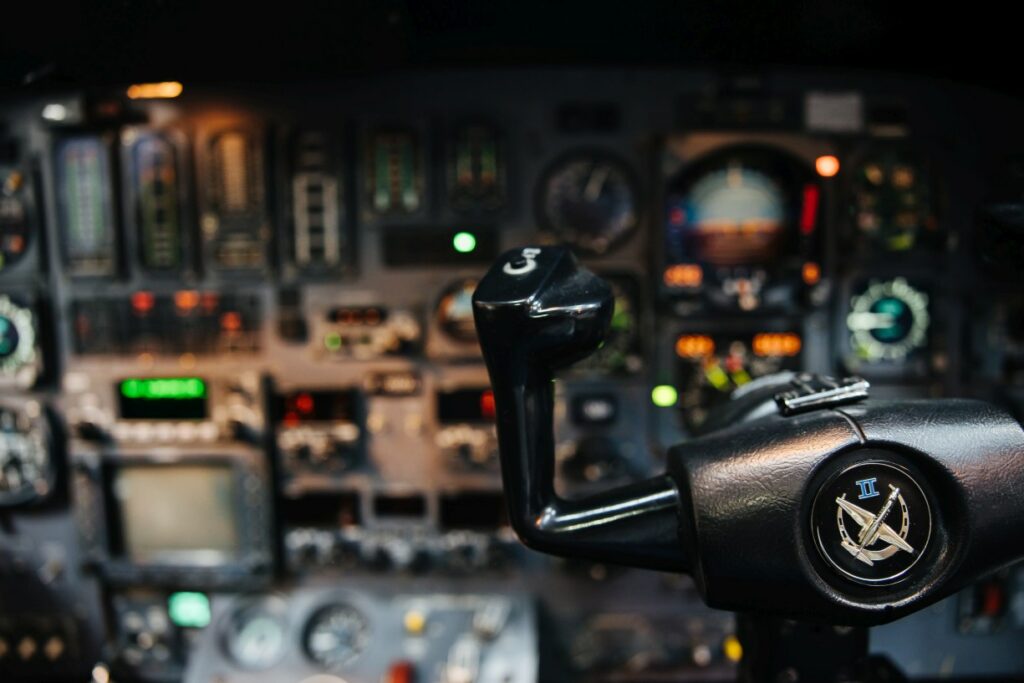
column 537, row 311
column 830, row 507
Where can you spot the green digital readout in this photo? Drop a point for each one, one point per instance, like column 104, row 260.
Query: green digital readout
column 188, row 609
column 164, row 388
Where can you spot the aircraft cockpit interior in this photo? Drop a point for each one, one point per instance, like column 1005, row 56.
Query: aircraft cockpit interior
column 407, row 342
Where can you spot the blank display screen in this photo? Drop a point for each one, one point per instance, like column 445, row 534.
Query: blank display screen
column 178, row 514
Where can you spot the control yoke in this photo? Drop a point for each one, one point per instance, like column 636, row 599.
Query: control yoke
column 822, row 505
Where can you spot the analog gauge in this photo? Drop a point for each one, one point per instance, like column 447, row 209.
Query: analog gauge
column 892, row 202
column 620, row 351
column 741, row 228
column 256, row 635
column 15, row 228
column 737, row 215
column 711, row 367
column 17, row 337
column 888, row 321
column 336, row 635
column 26, row 471
column 455, row 312
column 589, row 201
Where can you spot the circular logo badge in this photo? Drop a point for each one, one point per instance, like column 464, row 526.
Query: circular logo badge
column 872, row 522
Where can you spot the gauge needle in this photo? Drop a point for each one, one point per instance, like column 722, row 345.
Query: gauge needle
column 870, row 321
column 594, row 184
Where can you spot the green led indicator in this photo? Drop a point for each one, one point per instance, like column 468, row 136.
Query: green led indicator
column 464, row 242
column 189, row 610
column 664, row 396
column 332, row 341
column 164, row 388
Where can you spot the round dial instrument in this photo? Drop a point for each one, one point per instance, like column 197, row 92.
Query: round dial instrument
column 336, row 635
column 17, row 337
column 589, row 200
column 26, row 469
column 256, row 635
column 888, row 321
column 455, row 312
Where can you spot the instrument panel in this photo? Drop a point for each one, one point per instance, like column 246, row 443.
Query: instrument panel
column 240, row 386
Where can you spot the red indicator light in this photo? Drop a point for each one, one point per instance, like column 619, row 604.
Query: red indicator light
column 676, row 216
column 487, row 408
column 143, row 302
column 401, row 672
column 231, row 322
column 304, row 403
column 809, row 211
column 210, row 301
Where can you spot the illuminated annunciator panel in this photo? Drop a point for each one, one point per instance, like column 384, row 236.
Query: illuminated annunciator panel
column 709, row 367
column 197, row 322
column 18, row 227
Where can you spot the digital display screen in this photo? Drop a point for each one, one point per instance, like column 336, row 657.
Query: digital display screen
column 465, row 405
column 732, row 216
column 177, row 513
column 162, row 398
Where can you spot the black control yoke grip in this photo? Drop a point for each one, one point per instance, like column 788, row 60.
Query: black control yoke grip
column 536, row 311
column 830, row 506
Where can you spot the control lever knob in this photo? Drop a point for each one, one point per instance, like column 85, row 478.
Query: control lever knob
column 811, row 501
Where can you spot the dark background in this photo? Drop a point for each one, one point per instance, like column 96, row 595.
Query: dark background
column 117, row 41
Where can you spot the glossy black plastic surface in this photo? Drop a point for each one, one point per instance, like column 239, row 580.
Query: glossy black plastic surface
column 536, row 310
column 735, row 508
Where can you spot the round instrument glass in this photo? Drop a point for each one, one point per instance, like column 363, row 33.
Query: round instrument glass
column 888, row 321
column 336, row 635
column 26, row 470
column 589, row 200
column 455, row 312
column 17, row 337
column 256, row 635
